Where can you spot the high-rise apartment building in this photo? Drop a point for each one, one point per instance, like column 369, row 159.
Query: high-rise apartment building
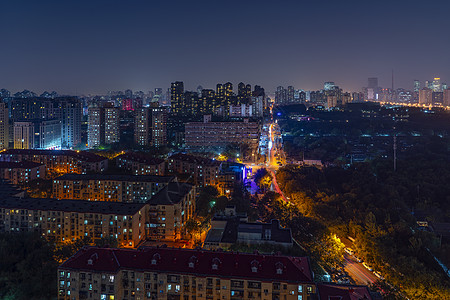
column 70, row 109
column 142, row 126
column 159, row 127
column 4, row 126
column 416, row 86
column 446, row 100
column 177, row 96
column 103, row 125
column 112, row 130
column 426, row 96
column 96, row 126
column 23, row 135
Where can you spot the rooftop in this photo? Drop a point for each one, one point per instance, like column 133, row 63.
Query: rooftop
column 118, row 177
column 18, row 165
column 81, row 155
column 173, row 193
column 195, row 159
column 342, row 292
column 200, row 262
column 141, row 157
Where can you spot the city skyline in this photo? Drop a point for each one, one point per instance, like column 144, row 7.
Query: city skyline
column 77, row 48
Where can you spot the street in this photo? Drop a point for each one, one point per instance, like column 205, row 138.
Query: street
column 357, row 271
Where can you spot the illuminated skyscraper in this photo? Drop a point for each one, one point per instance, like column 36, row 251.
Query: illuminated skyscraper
column 142, row 126
column 328, row 86
column 416, row 86
column 96, row 126
column 437, row 85
column 290, row 94
column 426, row 96
column 112, row 130
column 446, row 100
column 177, row 97
column 159, row 127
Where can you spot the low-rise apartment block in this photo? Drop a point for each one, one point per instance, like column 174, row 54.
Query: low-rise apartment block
column 59, row 161
column 169, row 273
column 140, row 164
column 215, row 134
column 204, row 171
column 115, row 188
column 21, row 172
column 67, row 220
column 169, row 210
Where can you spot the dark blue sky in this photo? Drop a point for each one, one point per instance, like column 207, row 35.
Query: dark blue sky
column 96, row 46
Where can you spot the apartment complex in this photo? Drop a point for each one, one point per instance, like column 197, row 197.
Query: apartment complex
column 204, row 171
column 103, row 125
column 169, row 273
column 169, row 210
column 66, row 220
column 112, row 188
column 61, row 161
column 213, row 134
column 4, row 126
column 140, row 164
column 21, row 172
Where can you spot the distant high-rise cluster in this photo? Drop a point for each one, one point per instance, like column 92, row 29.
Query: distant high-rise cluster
column 222, row 102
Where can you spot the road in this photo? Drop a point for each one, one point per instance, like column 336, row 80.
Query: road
column 357, row 271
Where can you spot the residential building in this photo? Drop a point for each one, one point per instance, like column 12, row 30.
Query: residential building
column 159, row 127
column 142, row 126
column 426, row 96
column 203, row 171
column 173, row 273
column 212, row 134
column 4, row 126
column 140, row 164
column 169, row 210
column 446, row 100
column 21, row 172
column 23, row 135
column 103, row 125
column 113, row 188
column 59, row 161
column 327, row 291
column 67, row 220
column 177, row 97
column 230, row 228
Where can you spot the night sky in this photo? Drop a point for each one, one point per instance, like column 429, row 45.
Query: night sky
column 81, row 47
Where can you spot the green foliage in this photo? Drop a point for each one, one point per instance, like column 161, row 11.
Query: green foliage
column 27, row 267
column 372, row 203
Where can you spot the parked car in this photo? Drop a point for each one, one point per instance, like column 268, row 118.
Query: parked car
column 349, row 251
column 378, row 274
column 358, row 259
column 367, row 267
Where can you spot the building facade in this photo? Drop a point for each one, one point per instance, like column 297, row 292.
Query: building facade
column 21, row 172
column 60, row 161
column 203, row 171
column 140, row 164
column 142, row 126
column 165, row 273
column 112, row 188
column 4, row 126
column 212, row 134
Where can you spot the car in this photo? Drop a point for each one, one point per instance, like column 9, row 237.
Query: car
column 349, row 251
column 378, row 274
column 368, row 267
column 358, row 259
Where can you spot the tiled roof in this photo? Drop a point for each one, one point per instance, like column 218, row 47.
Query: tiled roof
column 18, row 165
column 80, row 206
column 173, row 193
column 176, row 260
column 342, row 292
column 141, row 158
column 118, row 177
column 81, row 155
